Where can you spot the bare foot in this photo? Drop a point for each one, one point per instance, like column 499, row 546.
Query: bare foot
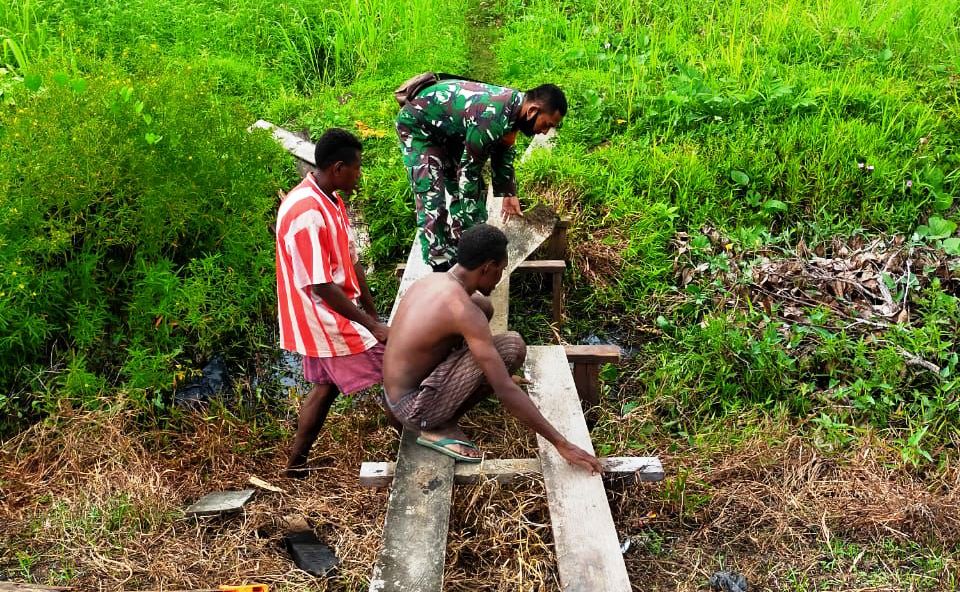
column 455, row 433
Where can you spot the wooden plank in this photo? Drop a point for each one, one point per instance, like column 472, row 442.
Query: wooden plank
column 500, row 298
column 592, row 354
column 587, row 547
column 415, row 269
column 640, row 468
column 581, row 378
column 415, row 532
column 526, row 234
column 645, row 469
column 302, row 149
column 418, row 514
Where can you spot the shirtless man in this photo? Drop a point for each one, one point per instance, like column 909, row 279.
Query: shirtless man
column 442, row 359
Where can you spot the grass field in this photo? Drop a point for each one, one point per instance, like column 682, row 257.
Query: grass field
column 763, row 218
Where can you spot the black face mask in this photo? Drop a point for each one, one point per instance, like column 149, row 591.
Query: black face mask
column 525, row 125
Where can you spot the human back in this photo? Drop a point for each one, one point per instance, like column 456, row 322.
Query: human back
column 424, row 330
column 452, row 107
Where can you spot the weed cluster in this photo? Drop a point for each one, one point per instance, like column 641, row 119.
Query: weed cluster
column 779, row 128
column 135, row 221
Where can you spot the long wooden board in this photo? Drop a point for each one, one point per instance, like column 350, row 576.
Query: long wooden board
column 418, row 514
column 302, row 149
column 418, row 511
column 643, row 469
column 411, row 544
column 585, row 538
column 414, row 270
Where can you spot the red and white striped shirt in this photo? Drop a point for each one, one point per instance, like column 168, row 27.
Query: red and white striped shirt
column 315, row 245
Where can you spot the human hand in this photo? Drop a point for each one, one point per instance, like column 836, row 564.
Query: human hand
column 580, row 457
column 381, row 331
column 511, row 207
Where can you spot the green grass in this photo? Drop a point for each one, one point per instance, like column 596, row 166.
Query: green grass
column 735, row 115
column 751, row 119
column 730, row 117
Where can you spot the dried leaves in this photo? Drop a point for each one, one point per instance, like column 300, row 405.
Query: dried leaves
column 863, row 283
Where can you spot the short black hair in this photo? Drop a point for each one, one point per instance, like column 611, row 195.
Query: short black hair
column 480, row 244
column 550, row 96
column 336, row 145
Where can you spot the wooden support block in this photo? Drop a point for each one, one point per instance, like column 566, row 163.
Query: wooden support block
column 616, row 468
column 586, row 542
column 587, row 379
column 418, row 514
column 592, row 354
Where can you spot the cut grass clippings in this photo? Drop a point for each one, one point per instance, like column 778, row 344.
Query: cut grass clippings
column 94, row 502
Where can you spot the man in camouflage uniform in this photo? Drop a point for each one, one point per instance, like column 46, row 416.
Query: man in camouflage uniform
column 447, row 132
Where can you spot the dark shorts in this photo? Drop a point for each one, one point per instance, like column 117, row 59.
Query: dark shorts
column 452, row 383
column 348, row 373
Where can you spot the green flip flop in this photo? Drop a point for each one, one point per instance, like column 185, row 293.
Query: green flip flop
column 441, row 447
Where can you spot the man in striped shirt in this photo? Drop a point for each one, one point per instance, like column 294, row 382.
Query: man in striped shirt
column 325, row 308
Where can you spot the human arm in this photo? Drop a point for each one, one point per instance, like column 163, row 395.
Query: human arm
column 502, row 156
column 309, row 246
column 333, row 296
column 487, row 133
column 366, row 298
column 476, row 333
column 475, row 153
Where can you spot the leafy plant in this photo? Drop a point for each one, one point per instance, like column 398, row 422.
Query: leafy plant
column 108, row 257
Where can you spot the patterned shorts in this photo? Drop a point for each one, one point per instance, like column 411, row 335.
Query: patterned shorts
column 452, row 383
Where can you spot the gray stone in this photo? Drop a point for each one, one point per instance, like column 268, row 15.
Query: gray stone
column 220, row 502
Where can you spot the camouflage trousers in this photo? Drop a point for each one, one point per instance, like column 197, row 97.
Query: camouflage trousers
column 433, row 170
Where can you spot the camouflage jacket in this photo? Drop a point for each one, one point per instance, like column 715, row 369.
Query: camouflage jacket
column 472, row 117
